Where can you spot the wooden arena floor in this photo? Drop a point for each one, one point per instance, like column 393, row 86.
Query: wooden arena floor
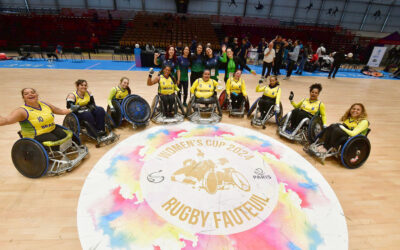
column 41, row 213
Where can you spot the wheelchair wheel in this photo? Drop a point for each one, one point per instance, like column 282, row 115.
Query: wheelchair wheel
column 155, row 109
column 30, row 158
column 223, row 101
column 189, row 109
column 282, row 121
column 117, row 115
column 180, row 105
column 109, row 122
column 355, row 152
column 246, row 105
column 314, row 128
column 252, row 108
column 71, row 122
column 278, row 117
column 136, row 109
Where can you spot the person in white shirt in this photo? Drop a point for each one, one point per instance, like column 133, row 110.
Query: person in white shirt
column 321, row 50
column 268, row 61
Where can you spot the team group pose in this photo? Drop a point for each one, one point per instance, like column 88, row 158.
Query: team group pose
column 201, row 69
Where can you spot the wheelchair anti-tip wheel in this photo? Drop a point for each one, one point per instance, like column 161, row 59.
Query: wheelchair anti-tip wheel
column 30, row 158
column 355, row 152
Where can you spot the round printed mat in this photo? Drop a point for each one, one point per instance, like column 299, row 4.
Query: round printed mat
column 192, row 186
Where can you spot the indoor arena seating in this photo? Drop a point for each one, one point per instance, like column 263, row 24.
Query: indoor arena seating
column 45, row 30
column 166, row 29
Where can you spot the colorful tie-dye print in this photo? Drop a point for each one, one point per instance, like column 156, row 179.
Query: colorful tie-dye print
column 113, row 214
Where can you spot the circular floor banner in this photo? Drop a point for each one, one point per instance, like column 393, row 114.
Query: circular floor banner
column 192, row 186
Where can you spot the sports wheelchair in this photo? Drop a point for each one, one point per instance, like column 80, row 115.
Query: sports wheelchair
column 257, row 120
column 226, row 104
column 158, row 115
column 204, row 110
column 77, row 126
column 352, row 154
column 305, row 132
column 34, row 159
column 132, row 108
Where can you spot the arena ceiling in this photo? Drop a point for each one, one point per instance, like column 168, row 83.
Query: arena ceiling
column 363, row 15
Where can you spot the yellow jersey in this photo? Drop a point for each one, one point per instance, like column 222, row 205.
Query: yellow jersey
column 203, row 89
column 82, row 101
column 234, row 86
column 356, row 126
column 166, row 86
column 274, row 93
column 120, row 93
column 38, row 121
column 311, row 107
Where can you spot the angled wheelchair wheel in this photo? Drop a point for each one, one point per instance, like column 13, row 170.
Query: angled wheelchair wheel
column 253, row 107
column 71, row 122
column 180, row 105
column 223, row 101
column 314, row 128
column 155, row 109
column 30, row 158
column 117, row 115
column 355, row 152
column 282, row 121
column 189, row 109
column 278, row 117
column 246, row 105
column 136, row 109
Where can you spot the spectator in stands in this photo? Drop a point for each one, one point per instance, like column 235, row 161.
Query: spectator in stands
column 279, row 45
column 242, row 54
column 94, row 43
column 261, row 48
column 293, row 57
column 232, row 63
column 235, row 46
column 194, row 45
column 179, row 48
column 226, row 42
column 268, row 61
column 321, row 51
column 183, row 74
column 304, row 53
column 338, row 59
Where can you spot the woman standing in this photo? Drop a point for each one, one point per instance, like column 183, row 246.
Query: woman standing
column 197, row 64
column 232, row 63
column 169, row 59
column 183, row 74
column 212, row 63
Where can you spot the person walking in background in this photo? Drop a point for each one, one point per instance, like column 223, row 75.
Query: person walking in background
column 260, row 49
column 338, row 59
column 293, row 56
column 304, row 53
column 268, row 61
column 279, row 45
column 242, row 54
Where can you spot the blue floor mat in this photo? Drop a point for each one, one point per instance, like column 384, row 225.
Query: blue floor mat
column 131, row 66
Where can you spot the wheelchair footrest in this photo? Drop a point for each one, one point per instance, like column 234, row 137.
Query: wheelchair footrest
column 160, row 119
column 197, row 118
column 64, row 164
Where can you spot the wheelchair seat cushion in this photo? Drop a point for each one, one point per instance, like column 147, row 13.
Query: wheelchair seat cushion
column 209, row 100
column 59, row 142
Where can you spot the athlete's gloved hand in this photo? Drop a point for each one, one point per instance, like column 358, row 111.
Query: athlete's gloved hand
column 151, row 72
column 277, row 109
column 291, row 96
column 74, row 108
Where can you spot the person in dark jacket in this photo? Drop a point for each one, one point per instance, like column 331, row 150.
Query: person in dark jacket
column 338, row 59
column 232, row 63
